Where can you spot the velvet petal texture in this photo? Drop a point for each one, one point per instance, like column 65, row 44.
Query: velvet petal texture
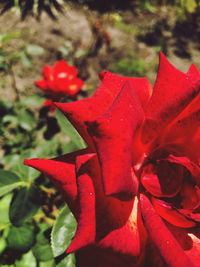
column 106, row 222
column 189, row 240
column 166, row 211
column 113, row 135
column 86, row 229
column 93, row 107
column 166, row 243
column 169, row 83
column 170, row 110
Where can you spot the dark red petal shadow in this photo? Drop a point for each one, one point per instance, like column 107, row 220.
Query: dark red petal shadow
column 163, row 179
column 189, row 240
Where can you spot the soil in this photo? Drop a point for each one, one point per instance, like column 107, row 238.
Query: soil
column 143, row 34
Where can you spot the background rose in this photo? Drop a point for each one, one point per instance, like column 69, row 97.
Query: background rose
column 142, row 159
column 59, row 81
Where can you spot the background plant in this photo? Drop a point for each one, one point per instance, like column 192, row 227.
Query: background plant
column 29, row 205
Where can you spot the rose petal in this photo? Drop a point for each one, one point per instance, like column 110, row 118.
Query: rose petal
column 142, row 86
column 61, row 66
column 171, row 215
column 47, row 72
column 189, row 241
column 153, row 257
column 159, row 119
column 86, row 229
column 185, row 130
column 192, row 167
column 169, row 248
column 113, row 134
column 194, row 252
column 189, row 196
column 130, row 239
column 112, row 213
column 162, row 179
column 143, row 89
column 75, row 86
column 89, row 109
column 42, row 84
column 49, row 104
column 193, row 71
column 169, row 83
column 105, row 221
column 68, row 88
column 94, row 256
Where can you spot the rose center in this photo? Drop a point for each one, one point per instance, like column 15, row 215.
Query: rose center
column 162, row 178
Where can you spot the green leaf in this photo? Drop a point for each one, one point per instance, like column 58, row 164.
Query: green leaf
column 47, row 263
column 26, row 59
column 7, row 37
column 68, row 129
column 68, row 261
column 42, row 250
column 3, row 244
column 33, row 100
column 24, row 205
column 5, row 105
column 8, row 182
column 49, row 148
column 26, row 173
column 11, row 119
column 10, row 161
column 68, row 147
column 190, row 5
column 21, row 238
column 4, row 210
column 26, row 119
column 63, row 231
column 34, row 50
column 27, row 260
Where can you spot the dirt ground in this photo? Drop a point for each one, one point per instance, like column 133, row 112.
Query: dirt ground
column 106, row 40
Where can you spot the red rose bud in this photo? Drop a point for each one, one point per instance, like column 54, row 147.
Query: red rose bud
column 135, row 190
column 59, row 81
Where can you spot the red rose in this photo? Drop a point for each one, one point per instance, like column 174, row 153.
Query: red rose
column 135, row 190
column 59, row 81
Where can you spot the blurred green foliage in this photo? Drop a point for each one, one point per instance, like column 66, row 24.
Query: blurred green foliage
column 24, row 53
column 129, row 66
column 29, row 205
